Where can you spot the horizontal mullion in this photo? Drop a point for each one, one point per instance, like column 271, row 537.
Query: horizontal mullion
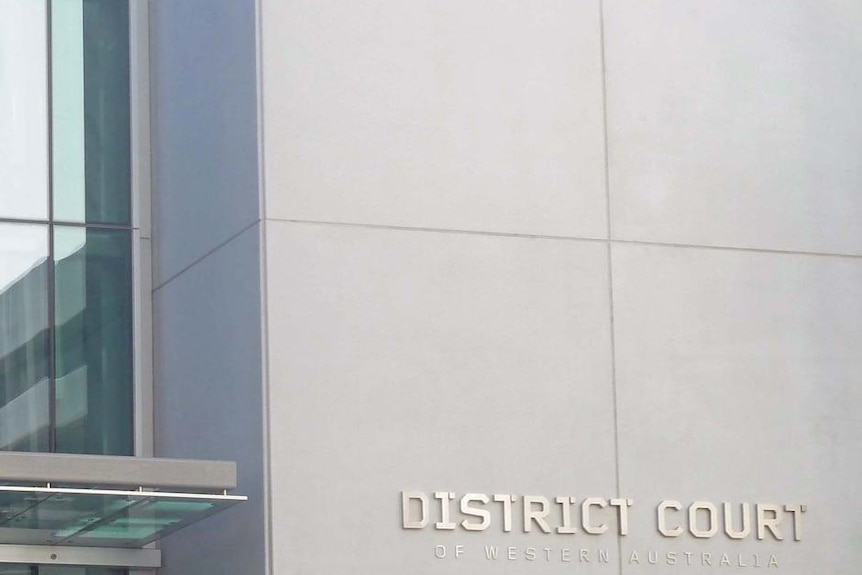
column 127, row 227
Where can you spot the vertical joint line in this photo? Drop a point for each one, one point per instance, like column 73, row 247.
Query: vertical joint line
column 605, row 116
column 611, row 326
column 613, row 346
column 52, row 324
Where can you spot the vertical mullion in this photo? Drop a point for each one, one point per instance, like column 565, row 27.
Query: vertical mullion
column 52, row 323
column 52, row 347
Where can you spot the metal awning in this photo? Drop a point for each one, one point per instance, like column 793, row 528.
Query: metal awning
column 54, row 501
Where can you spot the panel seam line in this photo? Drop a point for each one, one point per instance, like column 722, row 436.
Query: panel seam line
column 610, row 276
column 206, row 255
column 568, row 238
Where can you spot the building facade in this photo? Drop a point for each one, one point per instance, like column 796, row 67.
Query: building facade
column 470, row 287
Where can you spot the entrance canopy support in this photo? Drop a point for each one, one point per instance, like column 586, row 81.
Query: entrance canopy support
column 114, row 471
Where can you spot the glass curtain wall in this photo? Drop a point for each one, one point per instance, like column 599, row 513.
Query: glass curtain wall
column 56, row 570
column 66, row 314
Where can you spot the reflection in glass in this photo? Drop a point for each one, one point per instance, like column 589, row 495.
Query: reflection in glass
column 24, row 338
column 93, row 314
column 23, row 110
column 148, row 521
column 66, row 570
column 100, row 518
column 92, row 161
column 67, row 102
column 14, row 507
column 49, row 519
column 58, row 570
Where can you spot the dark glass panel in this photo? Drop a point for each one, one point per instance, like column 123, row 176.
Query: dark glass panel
column 148, row 521
column 91, row 111
column 65, row 570
column 58, row 570
column 25, row 368
column 93, row 314
column 51, row 519
column 106, row 105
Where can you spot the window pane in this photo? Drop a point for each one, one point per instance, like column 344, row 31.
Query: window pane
column 92, row 159
column 24, row 338
column 23, row 110
column 67, row 77
column 57, row 569
column 61, row 570
column 93, row 299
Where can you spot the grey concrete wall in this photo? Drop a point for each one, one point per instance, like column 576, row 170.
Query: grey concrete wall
column 208, row 396
column 482, row 116
column 460, row 300
column 412, row 360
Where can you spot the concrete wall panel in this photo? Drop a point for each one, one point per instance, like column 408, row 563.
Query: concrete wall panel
column 431, row 361
column 738, row 380
column 736, row 123
column 460, row 115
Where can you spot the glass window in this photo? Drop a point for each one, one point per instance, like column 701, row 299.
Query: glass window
column 57, row 570
column 23, row 110
column 24, row 338
column 91, row 147
column 67, row 103
column 61, row 570
column 93, row 334
column 66, row 314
